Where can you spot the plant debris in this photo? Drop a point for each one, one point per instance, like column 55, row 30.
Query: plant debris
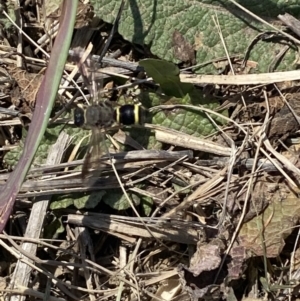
column 198, row 200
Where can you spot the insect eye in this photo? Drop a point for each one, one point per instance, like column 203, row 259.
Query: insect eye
column 78, row 117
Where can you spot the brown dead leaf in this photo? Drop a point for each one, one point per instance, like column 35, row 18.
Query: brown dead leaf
column 237, row 265
column 198, row 278
column 261, row 196
column 284, row 123
column 84, row 14
column 271, row 228
column 206, row 258
column 183, row 50
column 28, row 83
column 198, row 287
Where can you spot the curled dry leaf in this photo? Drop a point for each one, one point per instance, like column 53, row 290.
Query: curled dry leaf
column 197, row 279
column 198, row 287
column 206, row 258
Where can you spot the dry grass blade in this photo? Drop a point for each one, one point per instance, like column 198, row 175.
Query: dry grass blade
column 179, row 139
column 128, row 227
column 241, row 79
column 70, row 180
column 35, row 224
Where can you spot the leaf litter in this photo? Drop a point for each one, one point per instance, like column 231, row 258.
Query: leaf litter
column 212, row 174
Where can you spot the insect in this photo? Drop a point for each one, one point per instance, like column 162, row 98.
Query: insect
column 100, row 115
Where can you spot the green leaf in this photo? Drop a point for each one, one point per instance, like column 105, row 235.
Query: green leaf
column 91, row 201
column 147, row 204
column 178, row 188
column 117, row 200
column 144, row 137
column 52, row 132
column 9, row 8
column 188, row 120
column 167, row 75
column 62, row 201
column 265, row 284
column 153, row 23
column 54, row 228
column 78, row 200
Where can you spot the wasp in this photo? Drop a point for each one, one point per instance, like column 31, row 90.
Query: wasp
column 100, row 114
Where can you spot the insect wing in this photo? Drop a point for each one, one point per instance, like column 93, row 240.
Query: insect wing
column 97, row 148
column 87, row 68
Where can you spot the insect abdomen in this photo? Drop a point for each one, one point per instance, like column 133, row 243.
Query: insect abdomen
column 128, row 114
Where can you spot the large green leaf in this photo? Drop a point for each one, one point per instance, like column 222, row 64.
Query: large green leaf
column 187, row 120
column 154, row 22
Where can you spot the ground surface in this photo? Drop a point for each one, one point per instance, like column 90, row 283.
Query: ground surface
column 197, row 201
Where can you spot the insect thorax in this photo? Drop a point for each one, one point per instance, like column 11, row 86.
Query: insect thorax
column 100, row 115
